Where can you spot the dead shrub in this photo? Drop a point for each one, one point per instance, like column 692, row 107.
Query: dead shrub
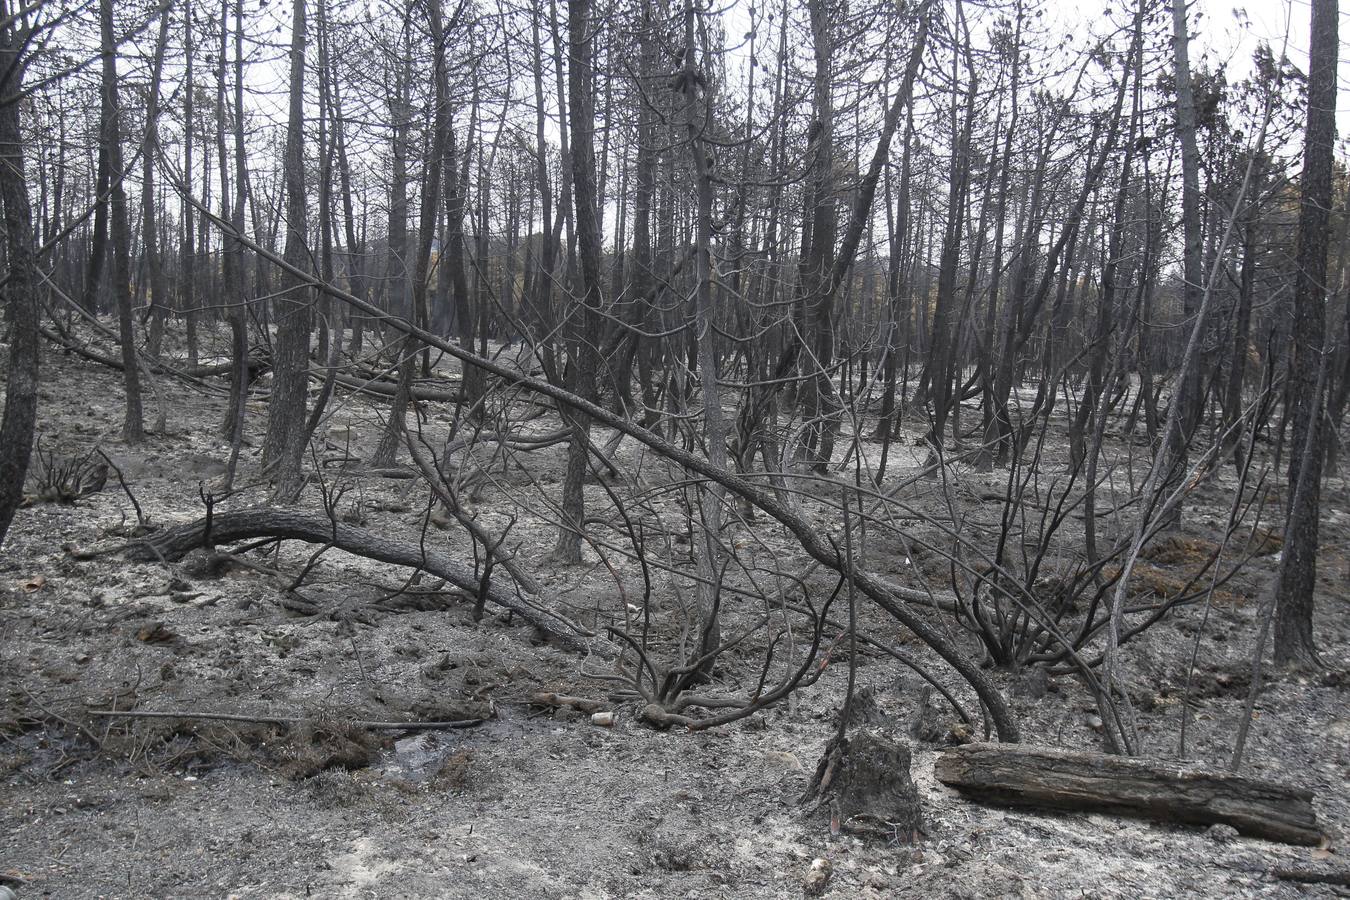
column 313, row 747
column 1175, row 550
column 454, row 772
column 66, row 479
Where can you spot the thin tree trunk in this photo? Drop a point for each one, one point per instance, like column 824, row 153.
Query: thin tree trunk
column 187, row 249
column 1188, row 383
column 586, row 326
column 133, row 428
column 154, row 265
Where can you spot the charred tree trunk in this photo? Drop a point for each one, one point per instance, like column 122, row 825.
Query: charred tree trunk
column 21, row 289
column 154, row 263
column 1187, row 392
column 133, row 428
column 1298, row 576
column 586, row 323
column 284, row 447
column 187, row 257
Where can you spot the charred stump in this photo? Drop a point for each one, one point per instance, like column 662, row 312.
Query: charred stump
column 865, row 784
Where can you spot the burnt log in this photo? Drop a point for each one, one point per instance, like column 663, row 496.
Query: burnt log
column 1163, row 791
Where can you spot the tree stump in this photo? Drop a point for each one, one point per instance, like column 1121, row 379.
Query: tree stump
column 865, row 784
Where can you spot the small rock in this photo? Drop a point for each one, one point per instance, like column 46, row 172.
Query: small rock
column 605, row 719
column 879, row 881
column 438, row 668
column 1222, row 833
column 784, row 759
column 817, row 877
column 155, row 633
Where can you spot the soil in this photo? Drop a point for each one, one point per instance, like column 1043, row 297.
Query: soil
column 537, row 802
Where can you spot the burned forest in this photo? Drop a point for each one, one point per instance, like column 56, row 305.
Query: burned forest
column 665, row 448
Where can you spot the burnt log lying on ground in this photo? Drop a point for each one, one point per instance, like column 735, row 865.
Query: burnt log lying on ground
column 1155, row 789
column 249, row 524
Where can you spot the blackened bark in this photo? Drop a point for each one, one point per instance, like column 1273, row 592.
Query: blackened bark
column 1298, row 576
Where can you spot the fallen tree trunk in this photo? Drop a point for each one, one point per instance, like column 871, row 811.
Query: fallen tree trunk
column 223, row 528
column 1154, row 789
column 386, row 390
column 256, row 365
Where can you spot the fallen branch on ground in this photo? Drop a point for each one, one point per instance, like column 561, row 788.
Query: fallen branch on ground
column 282, row 720
column 174, row 543
column 256, row 365
column 385, row 390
